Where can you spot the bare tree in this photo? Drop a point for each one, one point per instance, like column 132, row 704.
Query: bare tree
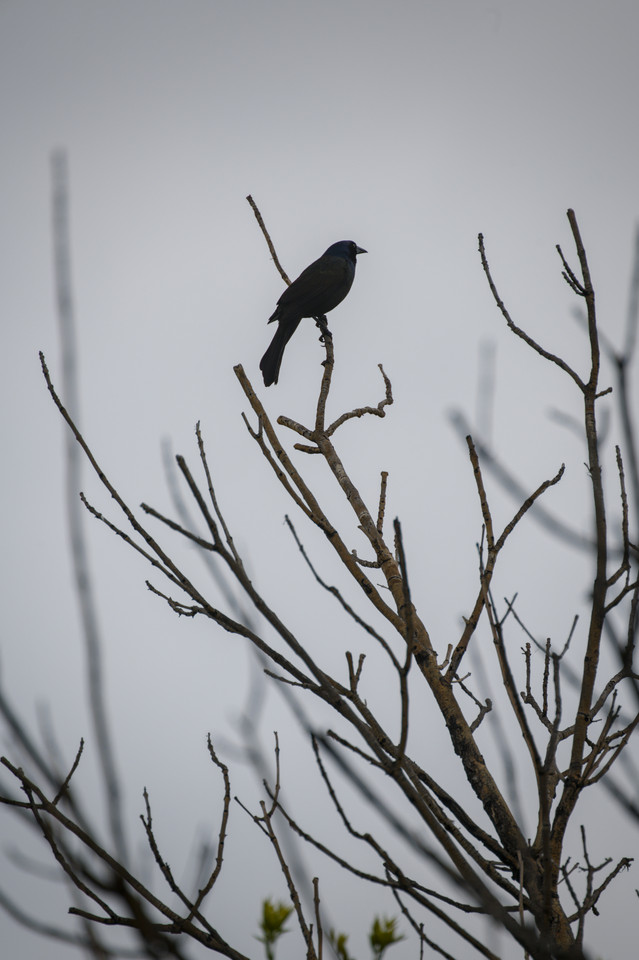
column 473, row 842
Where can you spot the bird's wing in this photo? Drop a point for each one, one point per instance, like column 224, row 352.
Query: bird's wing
column 319, row 288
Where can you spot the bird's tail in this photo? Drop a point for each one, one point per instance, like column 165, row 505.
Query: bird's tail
column 272, row 359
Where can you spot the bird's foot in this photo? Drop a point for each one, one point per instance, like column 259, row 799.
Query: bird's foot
column 322, row 323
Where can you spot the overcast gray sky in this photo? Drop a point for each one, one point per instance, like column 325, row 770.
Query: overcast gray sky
column 406, row 126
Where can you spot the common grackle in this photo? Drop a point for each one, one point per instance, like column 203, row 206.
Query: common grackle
column 317, row 290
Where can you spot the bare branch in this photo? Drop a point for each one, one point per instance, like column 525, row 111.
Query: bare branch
column 517, row 330
column 258, row 217
column 85, row 593
column 377, row 411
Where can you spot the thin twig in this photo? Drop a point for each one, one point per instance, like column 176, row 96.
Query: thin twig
column 517, row 330
column 258, row 217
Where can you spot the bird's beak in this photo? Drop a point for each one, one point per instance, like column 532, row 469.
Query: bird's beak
column 360, row 250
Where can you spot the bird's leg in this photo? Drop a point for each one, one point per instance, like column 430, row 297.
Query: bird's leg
column 322, row 323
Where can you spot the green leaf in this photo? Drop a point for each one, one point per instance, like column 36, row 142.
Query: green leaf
column 338, row 941
column 383, row 935
column 274, row 916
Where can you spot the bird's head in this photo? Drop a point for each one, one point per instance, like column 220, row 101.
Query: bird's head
column 347, row 249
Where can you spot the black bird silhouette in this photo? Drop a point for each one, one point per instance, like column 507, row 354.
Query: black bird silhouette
column 317, row 290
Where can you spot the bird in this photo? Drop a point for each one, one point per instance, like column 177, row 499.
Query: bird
column 317, row 290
